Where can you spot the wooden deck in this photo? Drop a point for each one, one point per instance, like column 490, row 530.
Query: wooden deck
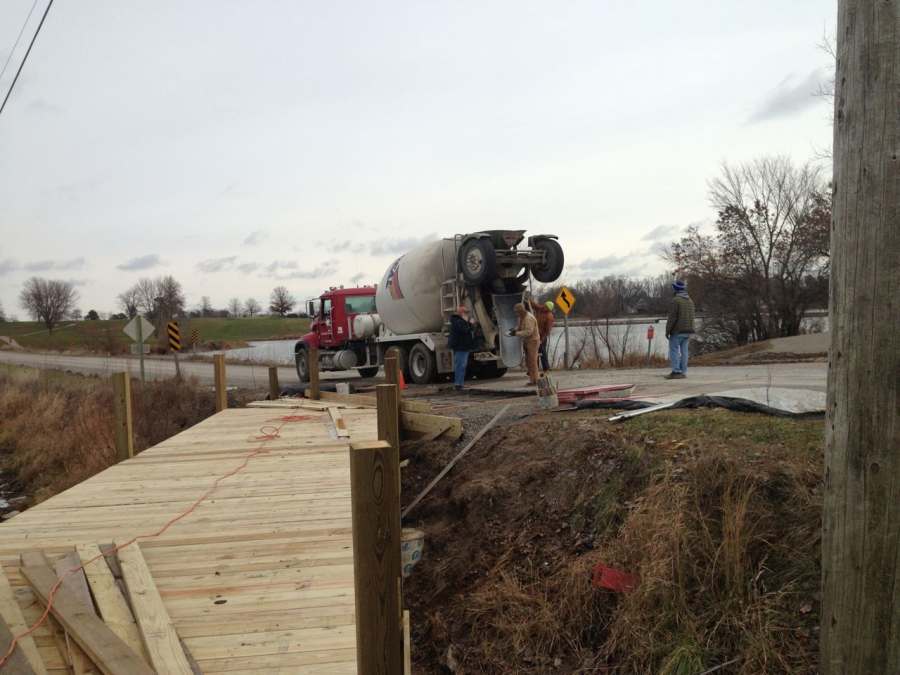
column 259, row 578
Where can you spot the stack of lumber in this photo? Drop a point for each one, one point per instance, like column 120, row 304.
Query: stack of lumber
column 258, row 577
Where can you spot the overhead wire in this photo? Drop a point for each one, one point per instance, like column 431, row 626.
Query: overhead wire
column 25, row 58
column 18, row 39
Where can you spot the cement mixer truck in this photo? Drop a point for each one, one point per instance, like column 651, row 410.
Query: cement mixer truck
column 409, row 311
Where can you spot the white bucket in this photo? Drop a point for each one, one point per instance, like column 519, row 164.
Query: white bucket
column 412, row 543
column 342, row 387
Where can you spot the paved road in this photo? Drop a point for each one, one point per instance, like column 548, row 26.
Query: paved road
column 649, row 381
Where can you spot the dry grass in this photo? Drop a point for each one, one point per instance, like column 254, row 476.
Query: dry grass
column 57, row 430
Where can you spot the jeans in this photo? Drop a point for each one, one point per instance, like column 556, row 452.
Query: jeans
column 542, row 352
column 460, row 361
column 678, row 352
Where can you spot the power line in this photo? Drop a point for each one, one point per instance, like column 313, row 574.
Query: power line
column 25, row 58
column 18, row 38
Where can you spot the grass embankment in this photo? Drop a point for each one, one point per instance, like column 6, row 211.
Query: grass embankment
column 716, row 513
column 106, row 337
column 57, row 428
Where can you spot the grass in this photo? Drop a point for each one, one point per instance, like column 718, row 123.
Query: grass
column 717, row 513
column 57, row 428
column 106, row 337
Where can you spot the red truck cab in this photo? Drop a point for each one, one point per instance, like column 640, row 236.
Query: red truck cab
column 344, row 342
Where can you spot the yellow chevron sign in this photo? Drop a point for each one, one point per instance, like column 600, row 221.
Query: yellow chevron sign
column 174, row 336
column 565, row 300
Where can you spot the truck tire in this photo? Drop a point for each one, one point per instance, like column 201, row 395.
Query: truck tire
column 554, row 260
column 422, row 364
column 478, row 261
column 371, row 371
column 300, row 356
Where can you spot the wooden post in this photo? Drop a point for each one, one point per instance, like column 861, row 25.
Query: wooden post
column 387, row 399
column 313, row 364
column 124, row 428
column 274, row 387
column 374, row 477
column 861, row 521
column 221, row 382
column 391, row 367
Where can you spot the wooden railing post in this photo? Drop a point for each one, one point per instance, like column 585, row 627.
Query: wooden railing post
column 387, row 400
column 313, row 365
column 124, row 427
column 221, row 385
column 274, row 387
column 374, row 477
column 391, row 367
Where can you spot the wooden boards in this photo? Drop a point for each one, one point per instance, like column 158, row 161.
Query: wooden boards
column 102, row 646
column 11, row 614
column 160, row 638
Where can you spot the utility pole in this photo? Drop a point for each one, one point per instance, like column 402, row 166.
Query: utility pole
column 861, row 524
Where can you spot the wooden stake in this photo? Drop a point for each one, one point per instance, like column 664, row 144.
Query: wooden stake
column 387, row 397
column 313, row 365
column 860, row 614
column 392, row 367
column 124, row 426
column 221, row 387
column 274, row 388
column 374, row 477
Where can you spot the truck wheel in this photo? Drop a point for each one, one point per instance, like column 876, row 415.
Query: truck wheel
column 301, row 356
column 553, row 261
column 368, row 372
column 422, row 364
column 478, row 261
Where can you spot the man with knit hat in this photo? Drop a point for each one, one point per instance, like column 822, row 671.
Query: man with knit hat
column 545, row 320
column 679, row 328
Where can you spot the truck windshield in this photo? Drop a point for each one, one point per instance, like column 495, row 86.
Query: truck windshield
column 360, row 304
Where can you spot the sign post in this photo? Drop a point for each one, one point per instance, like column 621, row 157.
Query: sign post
column 565, row 301
column 174, row 333
column 649, row 341
column 138, row 329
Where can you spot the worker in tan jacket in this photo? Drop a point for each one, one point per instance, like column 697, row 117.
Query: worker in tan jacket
column 531, row 339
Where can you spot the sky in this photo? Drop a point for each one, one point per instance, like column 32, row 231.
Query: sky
column 243, row 145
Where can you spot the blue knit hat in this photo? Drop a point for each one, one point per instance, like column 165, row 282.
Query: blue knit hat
column 678, row 286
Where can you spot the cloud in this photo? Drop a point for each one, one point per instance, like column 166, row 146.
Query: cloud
column 662, row 232
column 356, row 278
column 605, row 263
column 249, row 267
column 61, row 265
column 291, row 269
column 143, row 262
column 255, row 238
column 341, row 246
column 402, row 245
column 791, row 96
column 8, row 265
column 216, row 264
column 41, row 105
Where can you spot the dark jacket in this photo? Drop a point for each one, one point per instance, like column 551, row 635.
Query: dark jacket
column 681, row 315
column 462, row 335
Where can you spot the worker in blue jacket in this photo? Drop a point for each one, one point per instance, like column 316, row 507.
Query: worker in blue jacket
column 462, row 341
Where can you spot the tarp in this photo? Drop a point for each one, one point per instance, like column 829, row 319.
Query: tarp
column 779, row 401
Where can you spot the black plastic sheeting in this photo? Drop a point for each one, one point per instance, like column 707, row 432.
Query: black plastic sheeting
column 703, row 401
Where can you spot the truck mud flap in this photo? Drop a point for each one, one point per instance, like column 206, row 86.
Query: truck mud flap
column 510, row 347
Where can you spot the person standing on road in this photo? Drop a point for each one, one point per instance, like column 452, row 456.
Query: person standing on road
column 461, row 341
column 545, row 320
column 679, row 328
column 531, row 338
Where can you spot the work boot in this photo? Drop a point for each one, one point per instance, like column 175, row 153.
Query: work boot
column 458, row 387
column 675, row 376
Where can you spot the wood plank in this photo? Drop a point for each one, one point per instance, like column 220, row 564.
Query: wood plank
column 76, row 583
column 17, row 662
column 370, row 402
column 340, row 425
column 11, row 614
column 110, row 654
column 160, row 639
column 407, row 646
column 426, row 424
column 109, row 599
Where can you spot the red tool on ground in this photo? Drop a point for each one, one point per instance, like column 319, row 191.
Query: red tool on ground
column 596, row 393
column 613, row 579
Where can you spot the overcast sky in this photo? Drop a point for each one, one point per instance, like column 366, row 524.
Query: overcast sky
column 240, row 145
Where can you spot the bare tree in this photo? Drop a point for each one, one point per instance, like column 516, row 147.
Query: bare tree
column 129, row 300
column 281, row 302
column 768, row 261
column 860, row 615
column 2, row 314
column 206, row 308
column 252, row 307
column 48, row 300
column 235, row 307
column 76, row 315
column 170, row 296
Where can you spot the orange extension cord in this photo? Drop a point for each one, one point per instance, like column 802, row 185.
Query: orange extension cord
column 267, row 433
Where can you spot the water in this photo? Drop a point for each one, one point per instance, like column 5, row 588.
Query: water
column 275, row 352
